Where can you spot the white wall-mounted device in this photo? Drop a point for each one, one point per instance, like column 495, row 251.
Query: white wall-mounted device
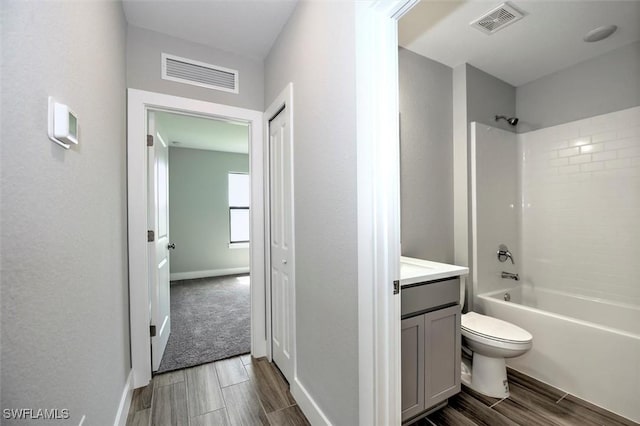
column 63, row 124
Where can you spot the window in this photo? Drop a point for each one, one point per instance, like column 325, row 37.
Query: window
column 239, row 197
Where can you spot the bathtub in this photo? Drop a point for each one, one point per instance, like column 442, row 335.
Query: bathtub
column 586, row 347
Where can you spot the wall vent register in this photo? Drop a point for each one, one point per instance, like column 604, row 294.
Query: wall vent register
column 201, row 74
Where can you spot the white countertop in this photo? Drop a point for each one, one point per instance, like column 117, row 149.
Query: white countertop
column 413, row 271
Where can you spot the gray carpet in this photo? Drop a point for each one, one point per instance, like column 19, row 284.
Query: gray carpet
column 210, row 320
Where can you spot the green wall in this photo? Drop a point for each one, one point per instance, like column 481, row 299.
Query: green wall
column 198, row 211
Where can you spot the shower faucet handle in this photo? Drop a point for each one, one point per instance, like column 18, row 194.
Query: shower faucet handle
column 504, row 254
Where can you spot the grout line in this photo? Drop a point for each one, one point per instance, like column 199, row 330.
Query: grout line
column 497, row 402
column 563, row 397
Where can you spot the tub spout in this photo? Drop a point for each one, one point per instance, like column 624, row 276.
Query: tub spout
column 510, row 276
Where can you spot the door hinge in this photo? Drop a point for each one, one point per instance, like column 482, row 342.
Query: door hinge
column 152, row 330
column 149, row 140
column 151, row 236
column 396, row 287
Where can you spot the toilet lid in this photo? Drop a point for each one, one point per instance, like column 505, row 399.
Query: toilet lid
column 493, row 328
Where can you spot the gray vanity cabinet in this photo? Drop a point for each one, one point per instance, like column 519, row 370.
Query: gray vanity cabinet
column 412, row 366
column 441, row 355
column 430, row 360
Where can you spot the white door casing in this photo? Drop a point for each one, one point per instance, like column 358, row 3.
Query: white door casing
column 138, row 103
column 158, row 220
column 282, row 266
column 378, row 183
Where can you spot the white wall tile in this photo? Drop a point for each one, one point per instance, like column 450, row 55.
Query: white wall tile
column 621, row 143
column 605, row 136
column 579, row 159
column 579, row 226
column 587, row 149
column 569, row 151
column 603, row 156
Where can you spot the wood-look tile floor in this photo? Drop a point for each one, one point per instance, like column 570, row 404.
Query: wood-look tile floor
column 232, row 392
column 531, row 403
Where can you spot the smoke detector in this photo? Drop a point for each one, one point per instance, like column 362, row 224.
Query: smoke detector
column 497, row 19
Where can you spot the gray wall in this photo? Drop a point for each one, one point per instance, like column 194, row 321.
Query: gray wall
column 199, row 210
column 607, row 83
column 144, row 48
column 65, row 327
column 321, row 65
column 426, row 157
column 488, row 96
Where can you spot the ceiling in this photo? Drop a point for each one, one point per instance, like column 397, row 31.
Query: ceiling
column 185, row 131
column 245, row 27
column 547, row 39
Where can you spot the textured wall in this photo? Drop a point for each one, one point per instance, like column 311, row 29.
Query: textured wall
column 199, row 210
column 488, row 96
column 426, row 157
column 144, row 49
column 316, row 51
column 601, row 85
column 65, row 326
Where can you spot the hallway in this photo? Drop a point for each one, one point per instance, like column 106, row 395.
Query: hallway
column 236, row 391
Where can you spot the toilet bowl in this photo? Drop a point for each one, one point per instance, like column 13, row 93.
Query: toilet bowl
column 491, row 341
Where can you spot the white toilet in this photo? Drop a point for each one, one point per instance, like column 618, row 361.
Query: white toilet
column 491, row 341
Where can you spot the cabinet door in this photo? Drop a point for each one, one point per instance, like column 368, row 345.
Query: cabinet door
column 412, row 366
column 442, row 355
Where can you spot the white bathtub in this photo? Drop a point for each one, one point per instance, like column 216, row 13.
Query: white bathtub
column 589, row 348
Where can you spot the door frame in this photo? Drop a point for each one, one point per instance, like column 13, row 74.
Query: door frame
column 283, row 100
column 378, row 186
column 138, row 103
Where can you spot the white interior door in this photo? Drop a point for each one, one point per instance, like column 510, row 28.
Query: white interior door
column 158, row 249
column 282, row 254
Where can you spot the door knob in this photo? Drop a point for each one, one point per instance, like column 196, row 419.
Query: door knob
column 284, row 261
column 171, row 246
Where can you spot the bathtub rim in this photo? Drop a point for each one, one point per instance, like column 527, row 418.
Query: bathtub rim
column 491, row 295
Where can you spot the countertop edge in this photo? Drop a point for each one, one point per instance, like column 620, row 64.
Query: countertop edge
column 439, row 271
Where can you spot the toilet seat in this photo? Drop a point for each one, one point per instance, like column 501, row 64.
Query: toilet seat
column 483, row 327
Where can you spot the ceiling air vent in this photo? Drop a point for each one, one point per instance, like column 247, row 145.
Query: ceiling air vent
column 497, row 18
column 200, row 74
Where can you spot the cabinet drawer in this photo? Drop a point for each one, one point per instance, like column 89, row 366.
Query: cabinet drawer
column 422, row 298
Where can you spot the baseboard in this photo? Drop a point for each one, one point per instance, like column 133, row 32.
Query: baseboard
column 208, row 273
column 125, row 402
column 308, row 406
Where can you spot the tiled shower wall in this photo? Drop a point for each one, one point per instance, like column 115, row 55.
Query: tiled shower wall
column 580, row 223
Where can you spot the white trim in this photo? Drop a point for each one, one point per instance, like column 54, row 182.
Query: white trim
column 474, row 211
column 284, row 99
column 378, row 183
column 125, row 402
column 238, row 245
column 309, row 407
column 138, row 103
column 164, row 75
column 208, row 273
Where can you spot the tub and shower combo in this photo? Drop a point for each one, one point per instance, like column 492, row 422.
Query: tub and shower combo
column 565, row 200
